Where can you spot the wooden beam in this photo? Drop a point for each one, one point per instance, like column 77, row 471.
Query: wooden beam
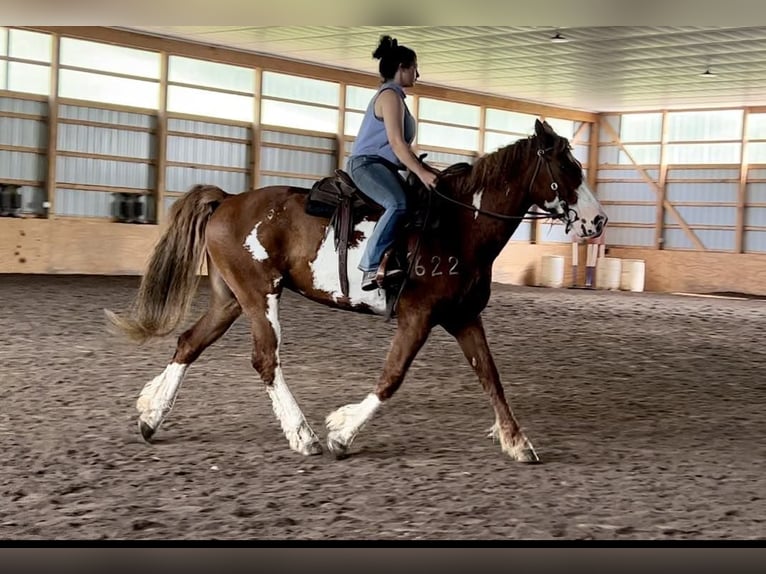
column 255, row 132
column 53, row 125
column 653, row 185
column 742, row 188
column 285, row 66
column 659, row 229
column 162, row 142
column 595, row 133
column 341, row 126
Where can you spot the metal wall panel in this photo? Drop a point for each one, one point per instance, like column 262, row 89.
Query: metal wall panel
column 581, row 152
column 626, row 192
column 628, row 172
column 755, row 217
column 713, row 239
column 756, row 192
column 209, row 129
column 89, row 171
column 630, row 236
column 703, row 215
column 22, row 165
column 755, row 241
column 79, row 203
column 554, row 233
column 445, row 158
column 646, row 214
column 26, row 133
column 99, row 115
column 757, row 174
column 207, row 152
column 287, row 138
column 682, row 174
column 106, row 141
column 183, row 178
column 18, row 106
column 523, row 232
column 295, row 161
column 267, row 180
column 707, row 192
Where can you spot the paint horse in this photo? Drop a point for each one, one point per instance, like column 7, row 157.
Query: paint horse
column 262, row 241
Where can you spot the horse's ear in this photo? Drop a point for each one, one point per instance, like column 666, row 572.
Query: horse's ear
column 539, row 130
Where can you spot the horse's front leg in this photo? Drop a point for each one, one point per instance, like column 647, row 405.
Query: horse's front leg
column 472, row 339
column 344, row 423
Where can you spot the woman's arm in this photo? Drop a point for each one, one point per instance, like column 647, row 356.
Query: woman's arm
column 392, row 111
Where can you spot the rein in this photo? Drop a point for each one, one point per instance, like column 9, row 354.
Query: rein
column 529, row 215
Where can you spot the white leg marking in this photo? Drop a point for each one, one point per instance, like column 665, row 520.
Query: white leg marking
column 159, row 394
column 344, row 423
column 298, row 432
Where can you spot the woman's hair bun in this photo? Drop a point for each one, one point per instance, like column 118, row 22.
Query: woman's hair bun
column 386, row 47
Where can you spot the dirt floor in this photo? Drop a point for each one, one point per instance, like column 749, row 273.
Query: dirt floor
column 647, row 411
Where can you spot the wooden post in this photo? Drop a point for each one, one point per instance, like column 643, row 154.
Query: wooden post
column 255, row 143
column 340, row 137
column 742, row 190
column 53, row 128
column 659, row 228
column 162, row 141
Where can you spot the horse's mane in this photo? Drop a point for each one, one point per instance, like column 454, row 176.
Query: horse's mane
column 493, row 170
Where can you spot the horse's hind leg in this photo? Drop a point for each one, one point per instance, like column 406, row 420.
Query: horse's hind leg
column 472, row 339
column 158, row 396
column 263, row 311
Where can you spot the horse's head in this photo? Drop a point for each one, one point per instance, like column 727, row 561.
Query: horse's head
column 558, row 185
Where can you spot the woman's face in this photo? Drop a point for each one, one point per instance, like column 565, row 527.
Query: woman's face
column 409, row 75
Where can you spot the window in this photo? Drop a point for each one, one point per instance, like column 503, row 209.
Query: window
column 109, row 58
column 101, row 84
column 211, row 74
column 299, row 116
column 101, row 88
column 358, row 98
column 705, row 125
column 299, row 89
column 448, row 112
column 30, row 78
column 641, row 128
column 513, row 122
column 27, row 45
column 210, row 103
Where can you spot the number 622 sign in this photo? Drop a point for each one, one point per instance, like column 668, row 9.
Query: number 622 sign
column 434, row 267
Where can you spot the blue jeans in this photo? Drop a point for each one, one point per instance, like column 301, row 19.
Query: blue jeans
column 385, row 187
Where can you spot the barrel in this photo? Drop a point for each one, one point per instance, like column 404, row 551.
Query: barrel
column 608, row 273
column 552, row 271
column 633, row 275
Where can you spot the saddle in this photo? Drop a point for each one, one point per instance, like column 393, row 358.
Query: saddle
column 338, row 198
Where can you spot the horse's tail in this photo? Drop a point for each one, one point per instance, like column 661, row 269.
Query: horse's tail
column 172, row 276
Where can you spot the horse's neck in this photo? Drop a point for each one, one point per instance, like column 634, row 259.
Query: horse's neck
column 485, row 235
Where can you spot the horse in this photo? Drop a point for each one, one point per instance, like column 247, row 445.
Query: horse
column 262, row 241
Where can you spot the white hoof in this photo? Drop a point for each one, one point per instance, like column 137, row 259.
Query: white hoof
column 344, row 423
column 304, row 441
column 520, row 450
column 157, row 397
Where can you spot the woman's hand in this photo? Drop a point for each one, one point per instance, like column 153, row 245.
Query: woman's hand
column 428, row 176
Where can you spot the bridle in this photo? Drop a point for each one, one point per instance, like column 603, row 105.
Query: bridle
column 567, row 215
